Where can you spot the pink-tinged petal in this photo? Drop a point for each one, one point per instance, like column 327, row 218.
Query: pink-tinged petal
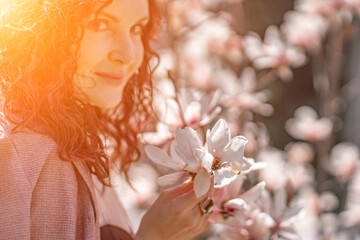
column 171, row 178
column 236, row 203
column 210, row 117
column 253, row 193
column 291, row 212
column 192, row 113
column 205, row 157
column 202, row 183
column 265, row 202
column 234, row 151
column 223, row 177
column 186, row 141
column 175, row 156
column 160, row 157
column 182, row 156
column 279, row 203
column 170, row 112
column 218, row 137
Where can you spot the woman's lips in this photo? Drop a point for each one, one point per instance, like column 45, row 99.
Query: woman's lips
column 110, row 77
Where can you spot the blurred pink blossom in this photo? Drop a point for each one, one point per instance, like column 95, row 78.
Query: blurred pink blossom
column 274, row 175
column 258, row 137
column 192, row 107
column 306, row 125
column 268, row 217
column 241, row 93
column 297, row 23
column 284, row 215
column 279, row 173
column 340, row 11
column 273, row 53
column 344, row 160
column 234, row 49
column 299, row 152
column 351, row 215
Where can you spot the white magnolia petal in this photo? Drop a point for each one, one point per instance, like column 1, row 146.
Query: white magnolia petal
column 171, row 178
column 234, row 151
column 223, row 177
column 211, row 116
column 160, row 157
column 175, row 156
column 192, row 113
column 202, row 183
column 253, row 193
column 218, row 137
column 187, row 140
column 256, row 166
column 236, row 203
column 193, row 167
column 289, row 234
column 181, row 155
column 205, row 158
column 242, row 165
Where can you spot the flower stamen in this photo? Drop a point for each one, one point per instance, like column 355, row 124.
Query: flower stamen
column 216, row 163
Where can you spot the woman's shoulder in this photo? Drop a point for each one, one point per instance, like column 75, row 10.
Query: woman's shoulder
column 26, row 143
column 26, row 152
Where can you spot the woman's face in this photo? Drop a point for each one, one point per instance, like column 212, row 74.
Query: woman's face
column 111, row 51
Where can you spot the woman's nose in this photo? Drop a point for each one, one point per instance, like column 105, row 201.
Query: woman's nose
column 123, row 50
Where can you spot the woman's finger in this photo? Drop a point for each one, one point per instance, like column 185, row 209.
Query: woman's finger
column 179, row 190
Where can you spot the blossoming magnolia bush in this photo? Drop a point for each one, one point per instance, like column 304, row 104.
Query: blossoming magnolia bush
column 213, row 82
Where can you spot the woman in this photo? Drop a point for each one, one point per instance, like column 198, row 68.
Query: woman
column 76, row 90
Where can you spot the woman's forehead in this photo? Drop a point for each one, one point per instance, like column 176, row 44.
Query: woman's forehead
column 127, row 9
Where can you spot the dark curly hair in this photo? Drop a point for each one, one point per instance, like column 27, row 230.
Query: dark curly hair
column 38, row 62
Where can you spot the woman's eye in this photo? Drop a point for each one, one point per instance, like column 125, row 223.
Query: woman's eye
column 99, row 25
column 138, row 29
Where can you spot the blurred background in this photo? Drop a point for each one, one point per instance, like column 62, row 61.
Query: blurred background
column 284, row 74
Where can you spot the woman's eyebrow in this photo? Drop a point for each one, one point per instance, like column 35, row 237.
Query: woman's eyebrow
column 116, row 19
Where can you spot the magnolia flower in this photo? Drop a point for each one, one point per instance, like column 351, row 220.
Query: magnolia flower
column 241, row 93
column 228, row 154
column 296, row 23
column 280, row 173
column 284, row 216
column 307, row 126
column 261, row 217
column 188, row 157
column 274, row 53
column 241, row 203
column 192, row 108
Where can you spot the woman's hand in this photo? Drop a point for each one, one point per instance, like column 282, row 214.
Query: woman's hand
column 175, row 215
